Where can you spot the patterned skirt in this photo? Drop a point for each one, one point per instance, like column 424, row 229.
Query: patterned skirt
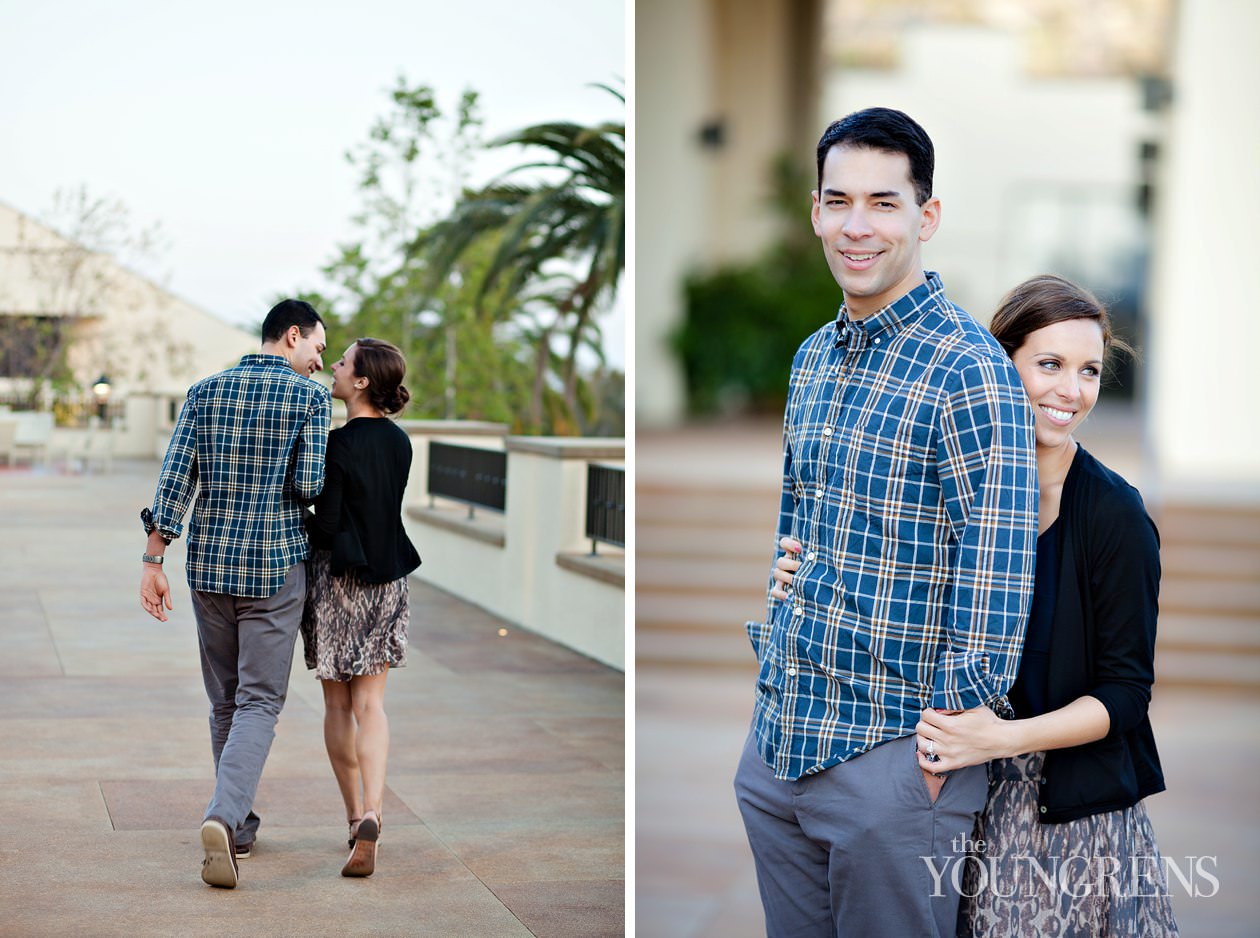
column 351, row 628
column 1096, row 876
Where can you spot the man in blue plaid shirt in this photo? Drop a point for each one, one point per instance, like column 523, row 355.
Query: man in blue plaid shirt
column 249, row 447
column 909, row 507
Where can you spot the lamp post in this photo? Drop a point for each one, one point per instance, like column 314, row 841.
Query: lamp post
column 101, row 389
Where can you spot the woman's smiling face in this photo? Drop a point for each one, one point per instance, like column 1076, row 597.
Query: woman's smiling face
column 1061, row 367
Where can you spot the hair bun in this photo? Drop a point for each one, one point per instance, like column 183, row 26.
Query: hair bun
column 392, row 403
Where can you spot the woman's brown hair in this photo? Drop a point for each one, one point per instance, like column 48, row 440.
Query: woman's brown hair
column 384, row 367
column 1044, row 300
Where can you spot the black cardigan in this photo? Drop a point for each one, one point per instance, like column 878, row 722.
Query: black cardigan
column 358, row 515
column 1104, row 644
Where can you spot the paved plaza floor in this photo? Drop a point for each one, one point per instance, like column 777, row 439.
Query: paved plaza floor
column 504, row 814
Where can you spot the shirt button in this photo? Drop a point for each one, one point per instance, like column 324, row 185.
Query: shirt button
column 1042, row 779
column 792, row 672
column 877, row 341
column 826, row 431
column 798, row 611
column 810, row 555
column 818, row 493
column 1042, row 809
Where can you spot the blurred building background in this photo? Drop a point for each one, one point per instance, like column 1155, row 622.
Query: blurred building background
column 1071, row 136
column 1109, row 142
column 71, row 315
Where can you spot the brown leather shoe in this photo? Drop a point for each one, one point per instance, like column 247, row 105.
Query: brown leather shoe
column 219, row 867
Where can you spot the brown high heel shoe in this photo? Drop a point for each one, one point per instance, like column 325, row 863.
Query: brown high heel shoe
column 354, row 830
column 362, row 861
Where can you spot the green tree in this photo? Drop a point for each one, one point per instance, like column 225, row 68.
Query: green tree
column 570, row 219
column 413, row 165
column 492, row 300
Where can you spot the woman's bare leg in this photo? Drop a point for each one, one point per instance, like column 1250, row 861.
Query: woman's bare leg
column 367, row 695
column 340, row 740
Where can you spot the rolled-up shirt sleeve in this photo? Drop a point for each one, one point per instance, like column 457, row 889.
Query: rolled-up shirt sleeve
column 306, row 472
column 986, row 464
column 177, row 481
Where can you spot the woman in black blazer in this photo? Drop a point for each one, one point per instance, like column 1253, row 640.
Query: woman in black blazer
column 355, row 623
column 1069, row 773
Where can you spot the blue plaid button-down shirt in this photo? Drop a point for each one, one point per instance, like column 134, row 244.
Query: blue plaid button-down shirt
column 249, row 443
column 910, row 480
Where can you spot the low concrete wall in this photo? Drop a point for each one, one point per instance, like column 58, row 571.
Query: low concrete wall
column 530, row 565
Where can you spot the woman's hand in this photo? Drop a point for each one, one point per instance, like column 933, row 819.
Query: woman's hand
column 784, row 567
column 968, row 737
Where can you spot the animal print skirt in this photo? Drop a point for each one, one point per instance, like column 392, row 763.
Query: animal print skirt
column 351, row 628
column 1097, row 876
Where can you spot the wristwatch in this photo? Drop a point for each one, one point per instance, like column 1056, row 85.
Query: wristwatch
column 150, row 558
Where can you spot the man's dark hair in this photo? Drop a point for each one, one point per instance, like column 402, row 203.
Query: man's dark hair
column 288, row 313
column 882, row 128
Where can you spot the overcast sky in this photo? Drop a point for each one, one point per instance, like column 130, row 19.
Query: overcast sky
column 228, row 122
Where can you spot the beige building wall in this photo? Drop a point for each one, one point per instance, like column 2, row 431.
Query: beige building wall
column 1032, row 173
column 1203, row 390
column 745, row 70
column 142, row 337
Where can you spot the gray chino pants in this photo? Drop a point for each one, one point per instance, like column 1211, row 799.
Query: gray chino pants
column 246, row 653
column 841, row 853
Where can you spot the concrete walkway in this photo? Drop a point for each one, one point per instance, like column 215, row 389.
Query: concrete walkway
column 504, row 813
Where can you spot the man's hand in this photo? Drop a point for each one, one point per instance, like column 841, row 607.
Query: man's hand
column 785, row 567
column 155, row 592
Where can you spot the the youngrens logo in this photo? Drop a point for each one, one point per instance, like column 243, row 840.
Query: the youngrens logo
column 1075, row 875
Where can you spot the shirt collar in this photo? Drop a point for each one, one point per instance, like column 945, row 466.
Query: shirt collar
column 258, row 358
column 895, row 316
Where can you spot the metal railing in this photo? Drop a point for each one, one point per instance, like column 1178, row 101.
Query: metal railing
column 476, row 477
column 605, row 505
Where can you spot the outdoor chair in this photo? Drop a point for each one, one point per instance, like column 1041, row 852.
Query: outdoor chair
column 8, row 440
column 34, row 430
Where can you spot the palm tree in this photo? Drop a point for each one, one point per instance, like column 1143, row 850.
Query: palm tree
column 573, row 219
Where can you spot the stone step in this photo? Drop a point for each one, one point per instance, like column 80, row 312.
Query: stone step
column 717, row 502
column 1232, row 635
column 1212, row 563
column 713, row 593
column 678, row 614
column 1211, row 597
column 729, row 649
column 679, row 571
column 1212, row 526
column 673, row 557
column 1206, row 669
column 1207, row 540
column 698, row 610
column 702, row 541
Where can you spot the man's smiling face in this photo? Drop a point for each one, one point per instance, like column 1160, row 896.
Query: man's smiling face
column 871, row 227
